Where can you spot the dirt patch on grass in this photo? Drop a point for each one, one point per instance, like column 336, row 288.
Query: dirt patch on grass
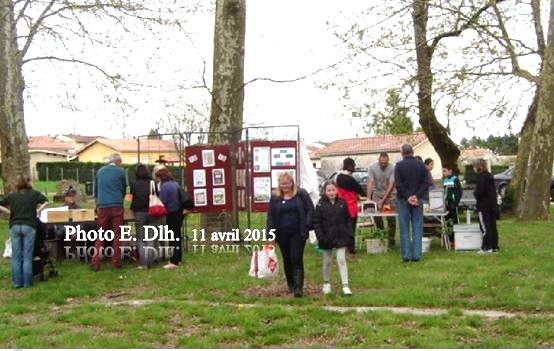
column 278, row 288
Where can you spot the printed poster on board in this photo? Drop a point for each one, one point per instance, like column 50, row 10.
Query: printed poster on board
column 283, row 157
column 262, row 189
column 261, row 159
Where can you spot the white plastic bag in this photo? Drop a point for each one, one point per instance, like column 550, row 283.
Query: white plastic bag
column 264, row 263
column 313, row 238
column 8, row 249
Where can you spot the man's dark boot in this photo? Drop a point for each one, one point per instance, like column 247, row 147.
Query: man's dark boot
column 298, row 277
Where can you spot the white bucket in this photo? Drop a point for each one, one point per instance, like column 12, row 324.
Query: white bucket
column 425, row 244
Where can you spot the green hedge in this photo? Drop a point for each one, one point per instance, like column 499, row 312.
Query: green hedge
column 469, row 174
column 83, row 171
column 498, row 169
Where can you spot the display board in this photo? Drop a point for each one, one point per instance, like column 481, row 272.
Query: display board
column 267, row 160
column 208, row 171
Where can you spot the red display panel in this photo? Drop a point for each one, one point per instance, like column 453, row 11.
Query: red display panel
column 208, row 173
column 267, row 160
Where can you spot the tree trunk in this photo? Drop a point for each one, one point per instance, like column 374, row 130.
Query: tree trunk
column 536, row 204
column 227, row 93
column 13, row 138
column 517, row 184
column 438, row 135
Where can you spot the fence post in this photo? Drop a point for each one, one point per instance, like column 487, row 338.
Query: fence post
column 61, row 173
column 77, row 175
column 47, row 179
column 93, row 180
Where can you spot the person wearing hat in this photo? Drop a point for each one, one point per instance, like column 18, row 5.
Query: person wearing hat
column 69, row 199
column 349, row 190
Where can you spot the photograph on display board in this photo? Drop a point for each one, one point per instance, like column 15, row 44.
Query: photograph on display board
column 283, row 156
column 262, row 159
column 208, row 158
column 262, row 189
column 218, row 196
column 199, row 178
column 275, row 176
column 200, row 197
column 218, row 177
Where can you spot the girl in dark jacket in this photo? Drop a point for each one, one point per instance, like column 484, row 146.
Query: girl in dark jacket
column 350, row 190
column 333, row 228
column 485, row 194
column 290, row 213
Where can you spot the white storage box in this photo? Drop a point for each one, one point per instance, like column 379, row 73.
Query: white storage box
column 425, row 244
column 467, row 237
column 436, row 201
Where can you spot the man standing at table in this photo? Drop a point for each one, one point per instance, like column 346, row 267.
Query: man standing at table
column 380, row 189
column 109, row 190
column 411, row 179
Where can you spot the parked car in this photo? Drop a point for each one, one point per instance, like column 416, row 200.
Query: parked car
column 502, row 180
column 360, row 174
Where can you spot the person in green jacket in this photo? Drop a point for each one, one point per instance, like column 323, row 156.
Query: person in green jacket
column 452, row 195
column 21, row 205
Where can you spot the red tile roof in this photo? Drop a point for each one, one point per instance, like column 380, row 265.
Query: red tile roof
column 48, row 144
column 371, row 145
column 313, row 151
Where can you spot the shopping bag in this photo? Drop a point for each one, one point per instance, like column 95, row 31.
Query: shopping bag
column 8, row 249
column 264, row 263
column 155, row 208
column 312, row 238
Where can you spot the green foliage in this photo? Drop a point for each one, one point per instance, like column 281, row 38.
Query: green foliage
column 154, row 134
column 470, row 176
column 394, row 120
column 502, row 145
column 495, row 169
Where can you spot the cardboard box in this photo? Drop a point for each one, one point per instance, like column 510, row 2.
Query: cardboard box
column 57, row 216
column 82, row 215
column 467, row 237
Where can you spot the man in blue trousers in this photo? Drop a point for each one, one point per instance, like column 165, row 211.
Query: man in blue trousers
column 411, row 178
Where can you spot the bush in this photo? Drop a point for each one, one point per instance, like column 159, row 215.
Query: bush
column 469, row 174
column 495, row 169
column 83, row 171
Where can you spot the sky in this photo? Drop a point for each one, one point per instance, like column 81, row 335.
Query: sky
column 284, row 40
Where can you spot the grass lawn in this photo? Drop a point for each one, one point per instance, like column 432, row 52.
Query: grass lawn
column 211, row 302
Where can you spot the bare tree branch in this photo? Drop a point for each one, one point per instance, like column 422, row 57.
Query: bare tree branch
column 516, row 69
column 292, row 80
column 456, row 32
column 111, row 77
column 34, row 28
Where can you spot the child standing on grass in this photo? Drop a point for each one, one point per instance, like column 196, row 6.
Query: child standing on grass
column 333, row 228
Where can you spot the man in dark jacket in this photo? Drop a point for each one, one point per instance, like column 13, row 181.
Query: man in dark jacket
column 411, row 179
